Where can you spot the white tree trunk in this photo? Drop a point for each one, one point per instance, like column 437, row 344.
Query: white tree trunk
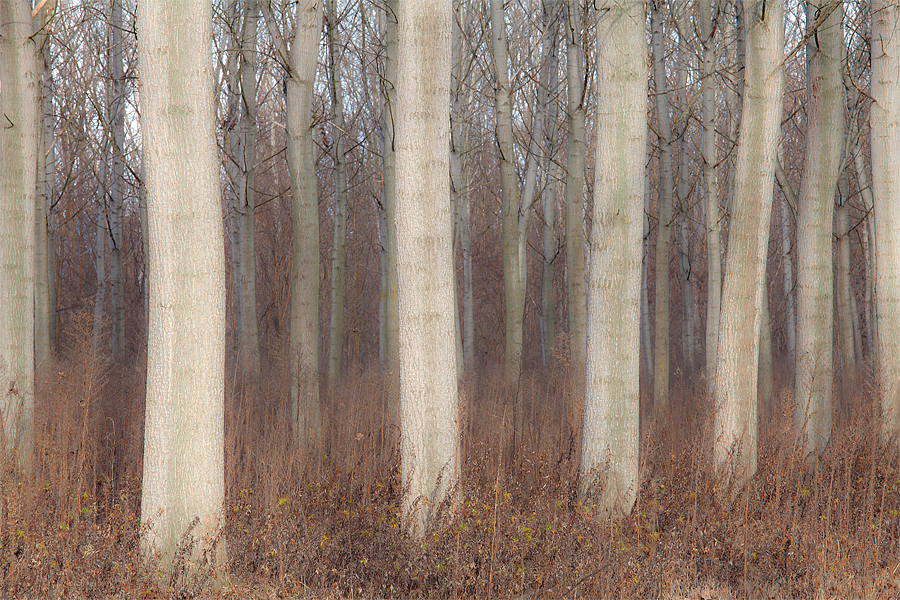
column 885, row 128
column 20, row 75
column 428, row 384
column 735, row 434
column 184, row 441
column 612, row 398
column 814, row 376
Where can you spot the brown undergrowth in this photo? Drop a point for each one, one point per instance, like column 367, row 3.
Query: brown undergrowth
column 329, row 525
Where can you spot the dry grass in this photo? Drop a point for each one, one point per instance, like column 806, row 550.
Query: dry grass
column 329, row 526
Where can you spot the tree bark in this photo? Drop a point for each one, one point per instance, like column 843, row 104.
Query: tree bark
column 661, row 351
column 885, row 127
column 428, row 383
column 612, row 398
column 339, row 244
column 509, row 191
column 575, row 190
column 20, row 74
column 184, row 478
column 814, row 377
column 735, row 434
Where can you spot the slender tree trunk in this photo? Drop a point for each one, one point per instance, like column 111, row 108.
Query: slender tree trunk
column 870, row 245
column 428, row 383
column 813, row 393
column 243, row 142
column 885, row 126
column 182, row 499
column 116, row 180
column 846, row 337
column 20, row 74
column 661, row 351
column 300, row 63
column 44, row 247
column 459, row 171
column 575, row 234
column 735, row 434
column 708, row 20
column 509, row 191
column 612, row 391
column 339, row 245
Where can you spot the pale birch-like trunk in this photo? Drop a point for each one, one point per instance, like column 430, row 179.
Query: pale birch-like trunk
column 428, row 384
column 509, row 193
column 184, row 441
column 20, row 74
column 339, row 243
column 869, row 243
column 612, row 394
column 885, row 143
column 735, row 450
column 709, row 153
column 575, row 235
column 814, row 375
column 242, row 142
column 661, row 350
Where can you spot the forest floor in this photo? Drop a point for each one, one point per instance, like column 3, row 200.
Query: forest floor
column 330, row 527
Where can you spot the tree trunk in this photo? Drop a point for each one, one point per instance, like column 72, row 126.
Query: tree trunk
column 813, row 394
column 304, row 350
column 575, row 235
column 708, row 19
column 735, row 433
column 44, row 247
column 339, row 245
column 20, row 74
column 509, row 190
column 846, row 337
column 184, row 414
column 428, row 384
column 612, row 394
column 885, row 127
column 242, row 145
column 661, row 351
column 116, row 180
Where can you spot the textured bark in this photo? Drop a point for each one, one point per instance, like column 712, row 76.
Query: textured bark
column 735, row 451
column 846, row 307
column 813, row 393
column 428, row 384
column 20, row 74
column 184, row 473
column 661, row 351
column 885, row 127
column 612, row 399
